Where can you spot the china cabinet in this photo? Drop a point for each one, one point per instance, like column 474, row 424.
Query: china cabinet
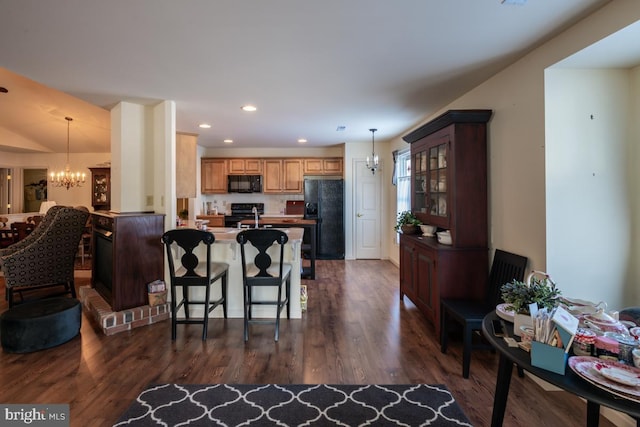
column 101, row 188
column 448, row 190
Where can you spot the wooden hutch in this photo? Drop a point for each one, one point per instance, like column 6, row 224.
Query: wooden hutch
column 449, row 190
column 101, row 188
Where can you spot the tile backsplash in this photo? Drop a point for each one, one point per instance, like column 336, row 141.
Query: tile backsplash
column 273, row 203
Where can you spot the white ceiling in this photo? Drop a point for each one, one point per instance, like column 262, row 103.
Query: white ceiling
column 309, row 66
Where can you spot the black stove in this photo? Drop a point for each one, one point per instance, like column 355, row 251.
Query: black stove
column 240, row 211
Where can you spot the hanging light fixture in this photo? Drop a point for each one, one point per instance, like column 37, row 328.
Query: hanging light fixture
column 372, row 163
column 67, row 178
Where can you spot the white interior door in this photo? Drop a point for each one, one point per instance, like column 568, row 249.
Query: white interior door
column 368, row 211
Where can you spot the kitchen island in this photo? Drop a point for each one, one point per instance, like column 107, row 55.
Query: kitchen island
column 226, row 249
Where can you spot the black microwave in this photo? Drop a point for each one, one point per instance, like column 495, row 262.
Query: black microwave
column 244, row 184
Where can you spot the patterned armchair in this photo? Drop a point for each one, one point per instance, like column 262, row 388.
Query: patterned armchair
column 47, row 259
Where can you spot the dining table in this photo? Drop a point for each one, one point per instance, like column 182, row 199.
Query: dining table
column 570, row 381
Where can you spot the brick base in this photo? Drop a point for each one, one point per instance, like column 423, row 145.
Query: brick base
column 112, row 322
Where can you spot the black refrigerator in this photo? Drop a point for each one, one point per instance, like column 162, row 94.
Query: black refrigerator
column 324, row 202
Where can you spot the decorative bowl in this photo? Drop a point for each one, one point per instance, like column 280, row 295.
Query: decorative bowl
column 602, row 322
column 444, row 237
column 428, row 230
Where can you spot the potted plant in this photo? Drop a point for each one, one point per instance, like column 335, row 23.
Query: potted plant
column 538, row 288
column 407, row 223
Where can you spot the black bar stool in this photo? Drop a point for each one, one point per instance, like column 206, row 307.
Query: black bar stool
column 262, row 272
column 193, row 272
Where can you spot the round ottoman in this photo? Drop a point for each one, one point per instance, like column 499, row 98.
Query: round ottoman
column 40, row 324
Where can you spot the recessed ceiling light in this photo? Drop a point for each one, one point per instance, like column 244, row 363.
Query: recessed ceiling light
column 302, row 140
column 228, row 141
column 249, row 108
column 205, row 126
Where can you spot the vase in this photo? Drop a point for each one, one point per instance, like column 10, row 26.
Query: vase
column 521, row 320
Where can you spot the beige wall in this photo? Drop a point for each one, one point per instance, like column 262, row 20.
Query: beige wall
column 589, row 203
column 517, row 133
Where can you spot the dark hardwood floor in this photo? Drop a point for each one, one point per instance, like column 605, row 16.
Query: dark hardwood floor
column 355, row 331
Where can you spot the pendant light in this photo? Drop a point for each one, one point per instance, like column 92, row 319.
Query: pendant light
column 66, row 178
column 372, row 163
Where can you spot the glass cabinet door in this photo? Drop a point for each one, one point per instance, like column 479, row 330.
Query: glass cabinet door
column 420, row 177
column 430, row 192
column 438, row 181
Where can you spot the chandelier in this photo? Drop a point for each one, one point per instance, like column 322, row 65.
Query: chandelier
column 372, row 163
column 67, row 178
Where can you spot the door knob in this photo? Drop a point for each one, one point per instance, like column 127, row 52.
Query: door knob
column 359, row 215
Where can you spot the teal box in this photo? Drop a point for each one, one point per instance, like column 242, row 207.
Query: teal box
column 552, row 359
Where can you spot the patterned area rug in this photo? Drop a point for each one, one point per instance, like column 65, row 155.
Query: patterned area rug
column 294, row 405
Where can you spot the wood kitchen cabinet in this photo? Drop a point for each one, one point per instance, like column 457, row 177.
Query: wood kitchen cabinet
column 323, row 166
column 213, row 176
column 245, row 166
column 186, row 157
column 214, row 220
column 449, row 190
column 101, row 188
column 283, row 176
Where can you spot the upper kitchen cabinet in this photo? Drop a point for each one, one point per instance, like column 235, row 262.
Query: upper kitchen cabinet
column 213, row 176
column 449, row 175
column 245, row 166
column 101, row 188
column 186, row 157
column 283, row 176
column 323, row 166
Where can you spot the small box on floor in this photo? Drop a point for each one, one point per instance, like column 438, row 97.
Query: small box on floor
column 157, row 292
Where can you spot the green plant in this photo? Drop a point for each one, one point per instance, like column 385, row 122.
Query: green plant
column 406, row 218
column 184, row 214
column 539, row 290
